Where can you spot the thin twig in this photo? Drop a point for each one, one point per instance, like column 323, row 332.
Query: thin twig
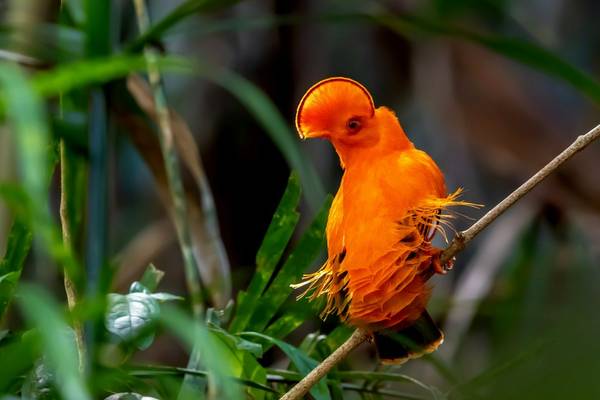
column 458, row 243
column 464, row 237
column 299, row 390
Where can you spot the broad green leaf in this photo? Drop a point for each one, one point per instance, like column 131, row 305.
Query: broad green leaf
column 274, row 243
column 132, row 317
column 298, row 262
column 304, row 363
column 41, row 311
column 212, row 351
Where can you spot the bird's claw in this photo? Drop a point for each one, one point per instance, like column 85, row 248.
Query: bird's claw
column 440, row 268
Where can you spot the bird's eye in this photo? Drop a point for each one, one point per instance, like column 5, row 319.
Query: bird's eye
column 353, row 125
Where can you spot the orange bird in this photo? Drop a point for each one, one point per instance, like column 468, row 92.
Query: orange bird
column 391, row 202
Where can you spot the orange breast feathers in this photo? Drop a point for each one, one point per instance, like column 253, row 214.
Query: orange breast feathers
column 391, row 202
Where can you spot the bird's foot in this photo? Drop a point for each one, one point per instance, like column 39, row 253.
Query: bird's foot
column 438, row 267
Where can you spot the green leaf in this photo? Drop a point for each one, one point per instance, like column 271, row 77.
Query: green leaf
column 152, row 277
column 163, row 297
column 298, row 262
column 273, row 245
column 26, row 114
column 213, row 352
column 27, row 118
column 97, row 28
column 240, row 343
column 18, row 355
column 158, row 370
column 294, row 316
column 241, row 361
column 129, row 396
column 58, row 340
column 278, row 129
column 76, row 12
column 83, row 73
column 524, row 52
column 181, row 12
column 304, row 363
column 131, row 317
column 17, row 248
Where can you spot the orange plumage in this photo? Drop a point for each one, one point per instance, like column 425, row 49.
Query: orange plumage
column 390, row 203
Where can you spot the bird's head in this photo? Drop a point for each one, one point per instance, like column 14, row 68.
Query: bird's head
column 342, row 110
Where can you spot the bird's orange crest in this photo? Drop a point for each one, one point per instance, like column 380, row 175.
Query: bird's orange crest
column 327, row 99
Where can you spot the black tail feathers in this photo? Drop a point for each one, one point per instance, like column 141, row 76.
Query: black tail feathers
column 414, row 341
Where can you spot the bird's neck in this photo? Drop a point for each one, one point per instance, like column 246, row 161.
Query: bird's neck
column 391, row 139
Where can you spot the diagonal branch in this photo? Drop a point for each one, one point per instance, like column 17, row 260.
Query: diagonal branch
column 458, row 244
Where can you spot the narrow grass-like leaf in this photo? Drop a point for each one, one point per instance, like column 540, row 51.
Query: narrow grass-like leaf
column 100, row 70
column 27, row 118
column 278, row 129
column 181, row 12
column 241, row 359
column 41, row 311
column 97, row 28
column 18, row 355
column 304, row 363
column 28, row 121
column 211, row 350
column 129, row 396
column 274, row 243
column 298, row 262
column 154, row 370
column 202, row 218
column 44, row 43
column 519, row 50
column 522, row 51
column 294, row 316
column 17, row 248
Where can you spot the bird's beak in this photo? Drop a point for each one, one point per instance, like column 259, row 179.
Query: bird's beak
column 313, row 134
